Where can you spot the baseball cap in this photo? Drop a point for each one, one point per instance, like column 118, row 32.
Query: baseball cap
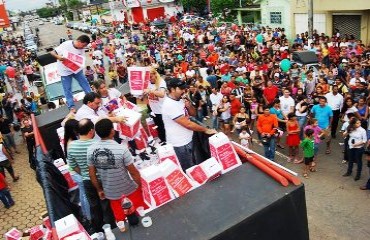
column 344, row 61
column 276, row 75
column 175, row 82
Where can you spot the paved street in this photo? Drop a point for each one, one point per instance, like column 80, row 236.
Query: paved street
column 337, row 209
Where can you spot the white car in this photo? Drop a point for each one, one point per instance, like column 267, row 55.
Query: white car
column 41, row 23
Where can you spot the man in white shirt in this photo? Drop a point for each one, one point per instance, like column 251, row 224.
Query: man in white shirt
column 77, row 47
column 335, row 101
column 286, row 103
column 190, row 73
column 357, row 77
column 215, row 97
column 179, row 128
column 91, row 109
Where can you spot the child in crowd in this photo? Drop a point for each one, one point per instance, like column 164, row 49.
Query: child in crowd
column 89, row 73
column 292, row 139
column 308, row 146
column 245, row 137
column 113, row 76
column 343, row 130
column 5, row 196
column 318, row 135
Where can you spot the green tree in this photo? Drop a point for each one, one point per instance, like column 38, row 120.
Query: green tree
column 46, row 12
column 194, row 5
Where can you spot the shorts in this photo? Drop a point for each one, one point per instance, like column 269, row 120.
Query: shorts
column 226, row 121
column 308, row 160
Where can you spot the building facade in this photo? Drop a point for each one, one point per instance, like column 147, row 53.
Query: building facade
column 137, row 11
column 351, row 18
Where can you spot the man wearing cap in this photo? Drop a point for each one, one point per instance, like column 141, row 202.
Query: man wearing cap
column 179, row 128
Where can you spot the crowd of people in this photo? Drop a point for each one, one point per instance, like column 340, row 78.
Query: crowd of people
column 236, row 81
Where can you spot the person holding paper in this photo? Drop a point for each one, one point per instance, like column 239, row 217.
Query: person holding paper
column 179, row 128
column 70, row 56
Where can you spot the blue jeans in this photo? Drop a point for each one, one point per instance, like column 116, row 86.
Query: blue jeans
column 67, row 86
column 6, row 198
column 270, row 149
column 85, row 206
column 200, row 115
column 185, row 155
column 355, row 156
column 215, row 122
column 301, row 122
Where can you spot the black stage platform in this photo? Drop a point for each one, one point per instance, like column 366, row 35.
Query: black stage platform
column 243, row 204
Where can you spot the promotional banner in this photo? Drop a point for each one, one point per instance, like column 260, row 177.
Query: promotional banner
column 138, row 78
column 74, row 62
column 51, row 73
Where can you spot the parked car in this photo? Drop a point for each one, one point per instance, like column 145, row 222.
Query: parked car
column 93, row 29
column 41, row 23
column 69, row 25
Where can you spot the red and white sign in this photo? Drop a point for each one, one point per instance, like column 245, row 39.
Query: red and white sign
column 37, row 232
column 138, row 78
column 168, row 152
column 156, row 191
column 206, row 171
column 152, row 128
column 73, row 62
column 13, row 234
column 72, row 185
column 178, row 181
column 132, row 124
column 69, row 226
column 51, row 73
column 223, row 151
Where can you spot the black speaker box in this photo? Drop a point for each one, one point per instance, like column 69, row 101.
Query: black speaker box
column 45, row 59
column 243, row 204
column 305, row 57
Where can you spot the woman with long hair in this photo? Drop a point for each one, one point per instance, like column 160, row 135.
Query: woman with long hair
column 356, row 142
column 363, row 110
column 225, row 114
column 349, row 107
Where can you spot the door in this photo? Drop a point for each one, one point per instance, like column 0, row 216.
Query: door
column 347, row 24
column 155, row 13
column 301, row 22
column 137, row 14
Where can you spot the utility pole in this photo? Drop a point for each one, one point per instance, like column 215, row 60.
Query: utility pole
column 310, row 19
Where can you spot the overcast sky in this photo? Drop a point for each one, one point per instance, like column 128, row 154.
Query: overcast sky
column 24, row 4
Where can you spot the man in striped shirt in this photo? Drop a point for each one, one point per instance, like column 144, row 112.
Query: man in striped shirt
column 113, row 162
column 101, row 212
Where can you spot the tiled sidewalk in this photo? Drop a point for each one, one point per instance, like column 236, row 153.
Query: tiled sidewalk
column 27, row 194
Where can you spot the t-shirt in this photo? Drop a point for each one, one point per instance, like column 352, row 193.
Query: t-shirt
column 286, row 104
column 173, row 129
column 4, row 126
column 155, row 102
column 2, row 182
column 112, row 94
column 277, row 112
column 31, row 138
column 308, row 147
column 316, row 132
column 60, row 50
column 110, row 160
column 323, row 115
column 77, row 156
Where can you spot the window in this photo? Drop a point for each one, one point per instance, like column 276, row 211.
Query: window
column 275, row 17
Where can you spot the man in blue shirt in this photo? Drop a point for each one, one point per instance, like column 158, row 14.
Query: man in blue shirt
column 324, row 115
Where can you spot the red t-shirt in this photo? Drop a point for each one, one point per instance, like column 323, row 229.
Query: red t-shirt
column 270, row 93
column 235, row 106
column 231, row 85
column 2, row 182
column 10, row 72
